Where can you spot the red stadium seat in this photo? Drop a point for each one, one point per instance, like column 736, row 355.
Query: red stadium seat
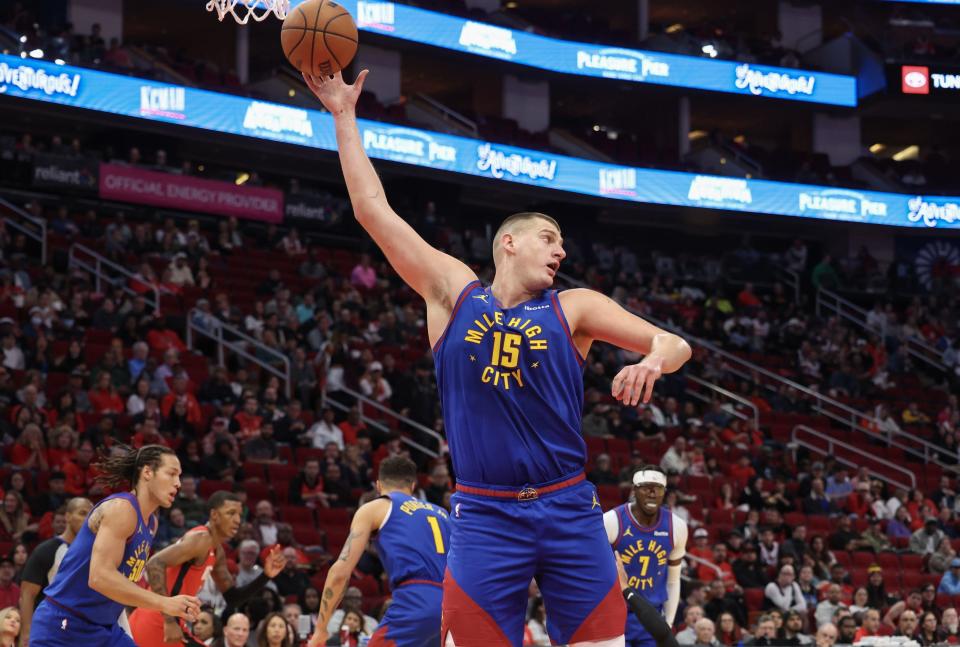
column 297, row 515
column 754, row 598
column 863, row 559
column 888, row 560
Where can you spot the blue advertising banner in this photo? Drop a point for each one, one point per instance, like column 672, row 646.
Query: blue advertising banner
column 568, row 57
column 132, row 97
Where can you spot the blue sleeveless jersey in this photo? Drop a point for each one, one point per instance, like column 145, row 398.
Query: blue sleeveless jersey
column 70, row 588
column 413, row 543
column 511, row 388
column 645, row 552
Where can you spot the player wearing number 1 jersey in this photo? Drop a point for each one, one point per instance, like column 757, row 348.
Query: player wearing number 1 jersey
column 509, row 358
column 411, row 537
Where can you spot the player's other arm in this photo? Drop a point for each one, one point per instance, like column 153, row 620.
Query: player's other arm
column 367, row 519
column 674, row 566
column 435, row 276
column 28, row 600
column 595, row 317
column 114, row 523
column 233, row 595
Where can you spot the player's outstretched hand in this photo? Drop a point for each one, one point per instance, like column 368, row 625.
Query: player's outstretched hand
column 275, row 562
column 334, row 93
column 182, row 606
column 636, row 381
column 621, row 573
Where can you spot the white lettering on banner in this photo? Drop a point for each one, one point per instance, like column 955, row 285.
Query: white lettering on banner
column 163, row 102
column 839, row 202
column 930, row 212
column 379, row 15
column 134, row 185
column 300, row 210
column 409, row 143
column 622, row 62
column 278, row 119
column 705, row 188
column 56, row 174
column 946, row 81
column 496, row 162
column 188, row 193
column 773, row 82
column 27, row 78
column 618, row 181
column 488, row 38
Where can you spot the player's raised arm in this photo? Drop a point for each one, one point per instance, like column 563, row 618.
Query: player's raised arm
column 114, row 523
column 368, row 518
column 435, row 276
column 595, row 317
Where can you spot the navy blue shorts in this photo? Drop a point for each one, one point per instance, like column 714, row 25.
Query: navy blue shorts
column 500, row 539
column 55, row 626
column 413, row 619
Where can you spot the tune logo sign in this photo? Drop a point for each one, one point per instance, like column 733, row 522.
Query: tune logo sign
column 915, row 79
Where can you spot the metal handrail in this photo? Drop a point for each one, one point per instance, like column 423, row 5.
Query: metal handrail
column 219, row 327
column 793, row 281
column 829, row 300
column 449, row 114
column 727, row 394
column 340, row 406
column 833, row 442
column 96, row 268
column 39, row 236
column 363, row 401
column 824, row 404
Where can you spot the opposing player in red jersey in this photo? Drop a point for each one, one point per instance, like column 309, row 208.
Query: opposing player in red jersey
column 509, row 360
column 181, row 568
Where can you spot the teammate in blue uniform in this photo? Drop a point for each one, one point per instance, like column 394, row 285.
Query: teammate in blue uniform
column 509, row 359
column 98, row 576
column 651, row 542
column 411, row 537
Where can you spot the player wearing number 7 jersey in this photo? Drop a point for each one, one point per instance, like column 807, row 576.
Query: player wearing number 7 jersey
column 411, row 537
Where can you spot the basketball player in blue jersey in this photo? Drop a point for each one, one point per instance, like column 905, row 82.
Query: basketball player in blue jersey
column 651, row 542
column 411, row 537
column 99, row 574
column 509, row 359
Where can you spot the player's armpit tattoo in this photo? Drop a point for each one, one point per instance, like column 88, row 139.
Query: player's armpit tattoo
column 345, row 553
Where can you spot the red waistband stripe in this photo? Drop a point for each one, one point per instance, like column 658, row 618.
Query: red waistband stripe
column 522, row 494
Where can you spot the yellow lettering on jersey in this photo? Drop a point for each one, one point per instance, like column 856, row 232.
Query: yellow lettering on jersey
column 474, row 337
column 533, row 331
column 640, row 583
column 498, row 317
column 412, row 505
column 504, row 379
column 513, row 323
column 538, row 344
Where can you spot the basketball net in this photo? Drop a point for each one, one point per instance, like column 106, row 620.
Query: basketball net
column 243, row 10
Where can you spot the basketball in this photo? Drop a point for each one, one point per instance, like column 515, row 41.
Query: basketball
column 319, row 37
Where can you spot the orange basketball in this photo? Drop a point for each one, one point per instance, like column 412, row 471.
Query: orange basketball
column 319, row 37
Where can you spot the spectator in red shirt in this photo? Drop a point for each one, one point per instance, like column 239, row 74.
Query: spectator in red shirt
column 706, row 573
column 81, row 475
column 743, row 471
column 64, row 448
column 9, row 591
column 351, row 426
column 180, row 393
column 30, row 451
column 306, row 488
column 104, row 398
column 246, row 422
column 700, row 544
column 747, row 298
column 147, row 434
